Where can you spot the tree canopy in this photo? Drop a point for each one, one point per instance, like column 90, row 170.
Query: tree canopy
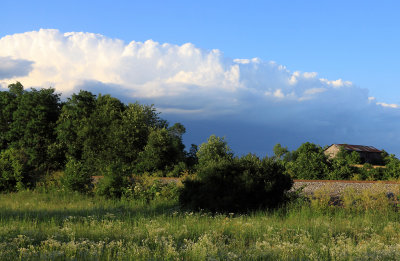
column 84, row 136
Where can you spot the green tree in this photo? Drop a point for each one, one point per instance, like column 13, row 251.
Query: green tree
column 176, row 133
column 191, row 156
column 342, row 165
column 279, row 151
column 352, row 157
column 341, row 169
column 99, row 133
column 132, row 134
column 392, row 167
column 14, row 171
column 33, row 123
column 115, row 182
column 309, row 162
column 214, row 150
column 72, row 123
column 158, row 154
column 8, row 104
column 76, row 176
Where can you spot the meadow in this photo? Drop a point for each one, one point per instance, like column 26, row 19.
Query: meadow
column 60, row 225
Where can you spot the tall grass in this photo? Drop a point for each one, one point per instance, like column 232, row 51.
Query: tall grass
column 68, row 226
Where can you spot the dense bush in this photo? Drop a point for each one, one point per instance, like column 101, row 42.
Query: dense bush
column 115, row 181
column 392, row 164
column 148, row 188
column 76, row 176
column 230, row 184
column 14, row 172
column 163, row 151
column 308, row 162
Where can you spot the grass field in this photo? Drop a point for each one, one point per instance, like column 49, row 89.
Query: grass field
column 67, row 226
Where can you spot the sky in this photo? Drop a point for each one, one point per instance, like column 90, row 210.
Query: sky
column 256, row 72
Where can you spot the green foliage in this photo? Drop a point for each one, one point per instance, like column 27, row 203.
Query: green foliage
column 115, row 182
column 148, row 188
column 14, row 172
column 33, row 125
column 177, row 148
column 130, row 135
column 178, row 170
column 27, row 122
column 392, row 164
column 348, row 157
column 191, row 157
column 214, row 150
column 160, row 152
column 309, row 162
column 342, row 166
column 51, row 182
column 279, row 151
column 229, row 184
column 368, row 172
column 8, row 104
column 76, row 176
column 100, row 131
column 72, row 123
column 340, row 169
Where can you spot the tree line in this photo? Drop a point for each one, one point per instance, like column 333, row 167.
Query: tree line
column 85, row 136
column 69, row 142
column 97, row 135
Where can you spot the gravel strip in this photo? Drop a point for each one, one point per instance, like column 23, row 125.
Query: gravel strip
column 336, row 188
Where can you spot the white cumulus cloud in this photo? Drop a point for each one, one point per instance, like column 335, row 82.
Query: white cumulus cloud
column 165, row 72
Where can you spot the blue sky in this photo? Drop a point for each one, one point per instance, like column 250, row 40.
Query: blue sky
column 355, row 41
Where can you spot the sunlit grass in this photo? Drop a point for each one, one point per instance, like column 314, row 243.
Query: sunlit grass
column 68, row 226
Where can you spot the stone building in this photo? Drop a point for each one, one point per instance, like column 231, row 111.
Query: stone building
column 368, row 154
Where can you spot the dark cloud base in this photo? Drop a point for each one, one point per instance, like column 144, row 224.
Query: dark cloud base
column 258, row 138
column 10, row 68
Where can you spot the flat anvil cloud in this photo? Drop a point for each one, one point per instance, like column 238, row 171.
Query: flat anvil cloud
column 192, row 84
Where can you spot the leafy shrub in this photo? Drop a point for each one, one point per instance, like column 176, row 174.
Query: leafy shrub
column 50, row 181
column 341, row 169
column 214, row 150
column 76, row 176
column 14, row 174
column 308, row 162
column 178, row 170
column 229, row 184
column 114, row 183
column 392, row 170
column 368, row 172
column 149, row 188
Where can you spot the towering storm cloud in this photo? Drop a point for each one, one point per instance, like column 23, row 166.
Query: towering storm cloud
column 254, row 103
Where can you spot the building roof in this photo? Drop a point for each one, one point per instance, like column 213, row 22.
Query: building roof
column 359, row 148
